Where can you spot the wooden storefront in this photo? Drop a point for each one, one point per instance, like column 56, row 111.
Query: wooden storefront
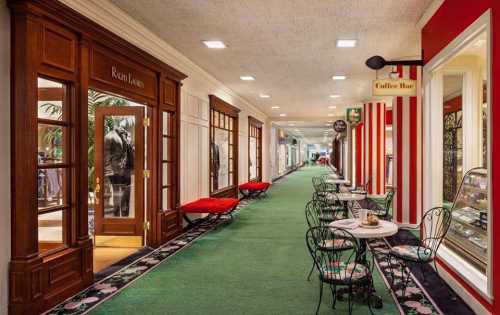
column 53, row 42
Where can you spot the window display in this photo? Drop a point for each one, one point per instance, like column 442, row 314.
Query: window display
column 223, row 148
column 52, row 174
column 468, row 230
column 254, row 149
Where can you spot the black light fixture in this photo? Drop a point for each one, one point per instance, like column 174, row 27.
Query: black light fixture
column 378, row 62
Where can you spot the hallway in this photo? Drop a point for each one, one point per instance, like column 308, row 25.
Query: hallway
column 255, row 265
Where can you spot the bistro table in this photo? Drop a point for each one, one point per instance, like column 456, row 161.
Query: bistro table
column 337, row 182
column 384, row 229
column 345, row 198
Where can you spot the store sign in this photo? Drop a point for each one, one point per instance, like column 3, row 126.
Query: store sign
column 395, row 87
column 354, row 115
column 339, row 126
column 118, row 72
column 126, row 77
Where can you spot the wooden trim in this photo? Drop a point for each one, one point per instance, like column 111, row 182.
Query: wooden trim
column 222, row 106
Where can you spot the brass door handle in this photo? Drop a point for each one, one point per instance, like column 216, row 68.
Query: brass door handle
column 97, row 189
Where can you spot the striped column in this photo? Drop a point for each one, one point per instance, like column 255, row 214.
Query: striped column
column 374, row 146
column 407, row 152
column 359, row 155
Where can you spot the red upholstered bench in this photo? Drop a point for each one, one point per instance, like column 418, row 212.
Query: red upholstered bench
column 212, row 206
column 253, row 189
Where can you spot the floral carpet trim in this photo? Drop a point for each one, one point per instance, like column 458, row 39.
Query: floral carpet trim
column 101, row 291
column 415, row 299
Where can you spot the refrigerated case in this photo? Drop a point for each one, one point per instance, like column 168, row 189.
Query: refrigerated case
column 468, row 234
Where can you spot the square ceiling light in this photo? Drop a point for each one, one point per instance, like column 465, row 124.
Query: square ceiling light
column 265, row 96
column 346, row 43
column 275, row 107
column 282, row 115
column 247, row 78
column 214, row 44
column 334, row 96
column 339, row 77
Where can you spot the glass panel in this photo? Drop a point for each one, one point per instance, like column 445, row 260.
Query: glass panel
column 51, row 144
column 166, row 149
column 452, row 135
column 165, row 197
column 50, row 99
column 50, row 231
column 231, row 123
column 220, row 162
column 216, row 119
column 253, row 158
column 119, row 157
column 51, row 187
column 166, row 123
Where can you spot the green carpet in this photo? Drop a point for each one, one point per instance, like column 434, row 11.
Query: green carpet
column 256, row 265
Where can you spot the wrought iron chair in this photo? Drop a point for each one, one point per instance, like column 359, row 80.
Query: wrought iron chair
column 338, row 268
column 384, row 211
column 362, row 190
column 434, row 226
column 320, row 185
column 320, row 213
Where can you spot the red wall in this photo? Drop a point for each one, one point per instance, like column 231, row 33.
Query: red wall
column 450, row 20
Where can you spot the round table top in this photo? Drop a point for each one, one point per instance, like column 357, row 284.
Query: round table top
column 334, row 176
column 384, row 229
column 350, row 197
column 337, row 181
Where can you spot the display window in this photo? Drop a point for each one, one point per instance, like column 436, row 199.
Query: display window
column 456, row 134
column 254, row 149
column 223, row 148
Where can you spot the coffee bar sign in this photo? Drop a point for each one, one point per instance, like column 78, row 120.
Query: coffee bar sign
column 395, row 87
column 126, row 77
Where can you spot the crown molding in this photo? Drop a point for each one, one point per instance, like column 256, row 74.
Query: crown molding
column 429, row 13
column 129, row 29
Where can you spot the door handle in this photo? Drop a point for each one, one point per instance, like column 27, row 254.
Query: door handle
column 97, row 189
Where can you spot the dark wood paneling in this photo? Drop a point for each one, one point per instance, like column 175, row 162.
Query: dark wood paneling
column 51, row 40
column 59, row 47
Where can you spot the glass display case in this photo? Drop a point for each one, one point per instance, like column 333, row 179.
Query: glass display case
column 468, row 234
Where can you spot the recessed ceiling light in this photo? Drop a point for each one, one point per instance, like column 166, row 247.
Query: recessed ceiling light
column 330, row 121
column 331, row 115
column 214, row 44
column 327, row 125
column 247, row 78
column 265, row 96
column 339, row 77
column 291, row 125
column 346, row 43
column 282, row 115
column 332, row 107
column 335, row 96
column 275, row 107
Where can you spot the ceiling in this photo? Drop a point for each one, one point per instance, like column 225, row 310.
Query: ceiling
column 289, row 46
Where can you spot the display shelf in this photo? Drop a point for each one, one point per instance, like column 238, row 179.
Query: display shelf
column 468, row 231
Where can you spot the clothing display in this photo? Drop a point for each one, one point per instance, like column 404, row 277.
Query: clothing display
column 118, row 170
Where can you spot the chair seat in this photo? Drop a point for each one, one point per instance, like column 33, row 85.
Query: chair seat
column 329, row 217
column 413, row 253
column 339, row 271
column 211, row 205
column 255, row 186
column 337, row 244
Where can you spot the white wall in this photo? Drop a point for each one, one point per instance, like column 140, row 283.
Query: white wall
column 5, row 157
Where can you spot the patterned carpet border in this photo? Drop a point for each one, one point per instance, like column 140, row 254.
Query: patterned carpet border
column 88, row 299
column 415, row 299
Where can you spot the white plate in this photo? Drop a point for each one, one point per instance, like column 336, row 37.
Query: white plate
column 369, row 226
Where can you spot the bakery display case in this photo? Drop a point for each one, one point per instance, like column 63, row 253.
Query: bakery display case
column 468, row 234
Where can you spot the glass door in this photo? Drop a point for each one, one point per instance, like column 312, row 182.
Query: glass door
column 119, row 170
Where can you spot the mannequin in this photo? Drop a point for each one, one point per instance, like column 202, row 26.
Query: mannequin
column 118, row 168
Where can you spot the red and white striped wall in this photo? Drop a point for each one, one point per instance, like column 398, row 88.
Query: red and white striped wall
column 374, row 146
column 407, row 152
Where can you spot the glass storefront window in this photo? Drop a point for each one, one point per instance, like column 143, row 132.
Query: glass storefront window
column 221, row 151
column 53, row 168
column 465, row 151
